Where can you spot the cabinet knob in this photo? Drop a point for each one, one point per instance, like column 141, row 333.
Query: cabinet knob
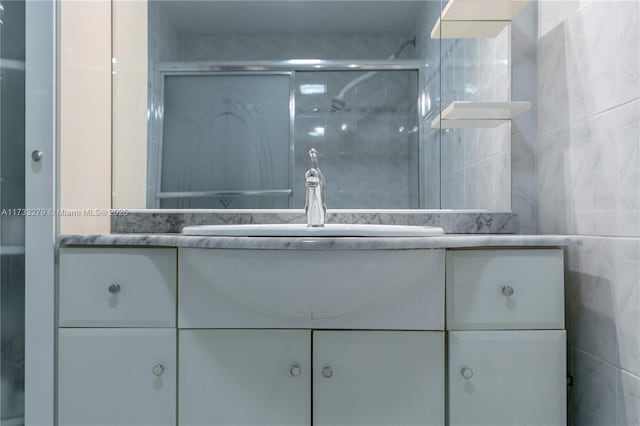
column 114, row 288
column 295, row 370
column 36, row 155
column 157, row 370
column 507, row 290
column 327, row 372
column 466, row 372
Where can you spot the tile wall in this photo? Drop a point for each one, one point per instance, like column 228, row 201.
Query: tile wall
column 588, row 184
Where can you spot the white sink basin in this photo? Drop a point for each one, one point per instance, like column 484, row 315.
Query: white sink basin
column 302, row 230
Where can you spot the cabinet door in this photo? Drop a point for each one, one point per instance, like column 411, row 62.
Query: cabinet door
column 117, row 377
column 507, row 378
column 378, row 378
column 245, row 377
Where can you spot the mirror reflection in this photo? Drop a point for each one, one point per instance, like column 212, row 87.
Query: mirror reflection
column 239, row 92
column 217, row 103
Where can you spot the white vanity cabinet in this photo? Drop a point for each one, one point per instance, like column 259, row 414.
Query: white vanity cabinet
column 354, row 343
column 378, row 378
column 117, row 287
column 507, row 344
column 123, row 373
column 118, row 377
column 264, row 377
column 245, row 377
column 506, row 378
column 505, row 289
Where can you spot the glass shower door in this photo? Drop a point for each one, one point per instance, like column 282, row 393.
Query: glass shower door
column 12, row 203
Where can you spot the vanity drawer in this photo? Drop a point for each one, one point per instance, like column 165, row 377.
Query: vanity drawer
column 505, row 289
column 117, row 287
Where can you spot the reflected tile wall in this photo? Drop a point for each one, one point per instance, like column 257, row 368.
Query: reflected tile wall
column 476, row 163
column 280, row 47
column 524, row 40
column 588, row 183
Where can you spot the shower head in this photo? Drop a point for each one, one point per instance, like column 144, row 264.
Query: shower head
column 337, row 104
column 410, row 42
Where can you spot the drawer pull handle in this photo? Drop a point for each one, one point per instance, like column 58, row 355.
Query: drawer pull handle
column 295, row 371
column 327, row 372
column 466, row 372
column 157, row 370
column 507, row 290
column 114, row 288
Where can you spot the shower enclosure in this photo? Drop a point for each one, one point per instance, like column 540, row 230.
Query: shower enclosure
column 12, row 203
column 237, row 136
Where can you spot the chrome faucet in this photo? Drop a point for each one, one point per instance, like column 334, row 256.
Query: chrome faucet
column 315, row 205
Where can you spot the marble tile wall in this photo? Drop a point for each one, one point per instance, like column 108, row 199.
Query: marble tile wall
column 588, row 184
column 589, row 120
column 603, row 323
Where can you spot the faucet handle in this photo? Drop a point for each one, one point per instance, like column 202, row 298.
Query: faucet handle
column 313, row 155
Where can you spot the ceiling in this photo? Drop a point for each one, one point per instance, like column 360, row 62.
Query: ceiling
column 270, row 17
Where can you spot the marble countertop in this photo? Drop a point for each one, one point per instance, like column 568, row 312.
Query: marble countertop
column 317, row 243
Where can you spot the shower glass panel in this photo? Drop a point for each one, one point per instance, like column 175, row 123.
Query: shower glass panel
column 365, row 126
column 12, row 201
column 226, row 142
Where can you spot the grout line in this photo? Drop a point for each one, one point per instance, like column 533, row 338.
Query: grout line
column 610, row 237
column 608, row 363
column 571, row 124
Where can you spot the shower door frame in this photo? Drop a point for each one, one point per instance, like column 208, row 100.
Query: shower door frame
column 288, row 67
column 154, row 194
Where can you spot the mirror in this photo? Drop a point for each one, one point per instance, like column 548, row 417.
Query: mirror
column 236, row 93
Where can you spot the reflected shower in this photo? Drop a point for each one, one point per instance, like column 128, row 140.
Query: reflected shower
column 338, row 103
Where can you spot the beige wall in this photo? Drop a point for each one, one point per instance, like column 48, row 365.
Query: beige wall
column 89, row 118
column 129, row 104
column 85, row 114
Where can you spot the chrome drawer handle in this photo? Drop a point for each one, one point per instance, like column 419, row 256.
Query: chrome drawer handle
column 507, row 290
column 114, row 288
column 157, row 370
column 327, row 372
column 295, row 370
column 466, row 372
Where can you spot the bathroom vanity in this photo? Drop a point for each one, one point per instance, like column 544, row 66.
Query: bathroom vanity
column 187, row 330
